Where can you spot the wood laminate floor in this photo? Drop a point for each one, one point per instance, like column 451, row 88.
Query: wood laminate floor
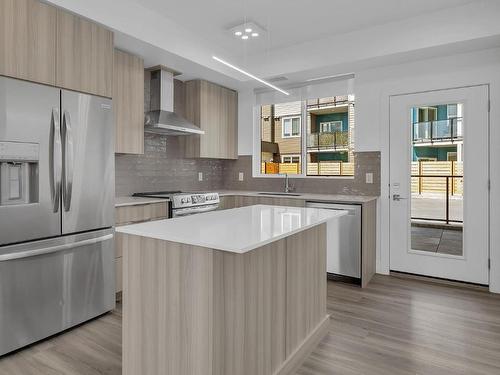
column 395, row 326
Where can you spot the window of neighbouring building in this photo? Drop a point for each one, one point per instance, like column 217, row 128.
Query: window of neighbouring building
column 290, row 158
column 330, row 127
column 291, row 127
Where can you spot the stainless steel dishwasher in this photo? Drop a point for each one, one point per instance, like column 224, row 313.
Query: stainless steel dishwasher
column 343, row 241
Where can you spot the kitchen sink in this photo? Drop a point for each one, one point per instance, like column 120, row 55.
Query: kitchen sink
column 286, row 194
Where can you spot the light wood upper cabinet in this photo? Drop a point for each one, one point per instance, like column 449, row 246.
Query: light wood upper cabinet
column 28, row 40
column 84, row 55
column 128, row 103
column 215, row 110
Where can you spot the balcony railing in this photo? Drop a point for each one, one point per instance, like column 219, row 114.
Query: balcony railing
column 324, row 140
column 438, row 131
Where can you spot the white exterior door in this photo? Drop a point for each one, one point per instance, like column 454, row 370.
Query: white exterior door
column 471, row 263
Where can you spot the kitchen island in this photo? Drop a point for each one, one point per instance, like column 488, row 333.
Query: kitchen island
column 238, row 291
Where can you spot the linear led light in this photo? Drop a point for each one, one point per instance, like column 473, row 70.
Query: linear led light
column 250, row 75
column 346, row 75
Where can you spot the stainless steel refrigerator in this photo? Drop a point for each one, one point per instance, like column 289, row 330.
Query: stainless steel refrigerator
column 56, row 210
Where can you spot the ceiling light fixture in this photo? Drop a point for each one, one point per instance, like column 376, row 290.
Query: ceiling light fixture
column 250, row 75
column 248, row 28
column 244, row 37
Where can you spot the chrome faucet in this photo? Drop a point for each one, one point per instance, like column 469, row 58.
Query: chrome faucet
column 288, row 188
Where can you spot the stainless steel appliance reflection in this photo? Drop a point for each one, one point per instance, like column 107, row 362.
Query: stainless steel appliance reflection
column 56, row 210
column 184, row 203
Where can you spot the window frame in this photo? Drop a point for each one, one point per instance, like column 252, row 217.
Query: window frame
column 291, row 126
column 256, row 147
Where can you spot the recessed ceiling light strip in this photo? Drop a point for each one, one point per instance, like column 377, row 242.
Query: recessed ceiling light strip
column 250, row 75
column 338, row 76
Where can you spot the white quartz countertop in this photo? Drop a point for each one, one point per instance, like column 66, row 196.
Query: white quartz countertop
column 237, row 230
column 132, row 201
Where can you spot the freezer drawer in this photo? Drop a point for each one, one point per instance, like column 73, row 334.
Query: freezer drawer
column 51, row 285
column 343, row 240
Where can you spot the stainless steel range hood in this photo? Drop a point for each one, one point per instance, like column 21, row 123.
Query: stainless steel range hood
column 161, row 119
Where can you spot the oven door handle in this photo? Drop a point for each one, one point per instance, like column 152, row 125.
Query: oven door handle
column 193, row 210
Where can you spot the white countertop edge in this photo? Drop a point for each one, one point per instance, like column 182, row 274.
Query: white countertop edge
column 135, row 201
column 128, row 229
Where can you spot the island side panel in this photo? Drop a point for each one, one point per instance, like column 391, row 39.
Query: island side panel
column 249, row 311
column 306, row 285
column 369, row 241
column 167, row 308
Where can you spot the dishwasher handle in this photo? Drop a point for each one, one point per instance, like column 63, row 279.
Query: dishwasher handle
column 351, row 209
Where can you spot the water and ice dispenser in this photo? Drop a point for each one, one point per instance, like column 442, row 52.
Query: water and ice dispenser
column 18, row 173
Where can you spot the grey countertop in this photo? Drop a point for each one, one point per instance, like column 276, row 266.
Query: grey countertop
column 339, row 198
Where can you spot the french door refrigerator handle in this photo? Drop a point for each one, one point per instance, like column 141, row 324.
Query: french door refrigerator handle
column 56, row 159
column 68, row 160
column 53, row 249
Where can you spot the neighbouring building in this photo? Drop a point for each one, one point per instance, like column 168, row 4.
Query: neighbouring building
column 330, row 129
column 437, row 133
column 328, row 145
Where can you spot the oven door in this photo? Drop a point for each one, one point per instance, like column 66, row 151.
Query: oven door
column 179, row 212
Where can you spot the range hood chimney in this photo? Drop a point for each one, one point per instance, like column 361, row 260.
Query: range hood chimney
column 161, row 119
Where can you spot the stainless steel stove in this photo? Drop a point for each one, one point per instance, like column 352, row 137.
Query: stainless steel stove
column 185, row 203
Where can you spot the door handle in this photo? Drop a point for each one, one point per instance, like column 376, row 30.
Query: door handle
column 397, row 197
column 56, row 160
column 53, row 249
column 68, row 160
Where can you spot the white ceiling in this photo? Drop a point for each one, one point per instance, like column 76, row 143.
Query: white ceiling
column 305, row 39
column 288, row 22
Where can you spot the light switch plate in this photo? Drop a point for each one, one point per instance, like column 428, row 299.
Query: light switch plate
column 200, row 176
column 241, row 176
column 369, row 178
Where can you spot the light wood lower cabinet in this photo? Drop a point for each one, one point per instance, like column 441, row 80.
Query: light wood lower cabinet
column 129, row 215
column 128, row 103
column 140, row 212
column 28, row 40
column 84, row 55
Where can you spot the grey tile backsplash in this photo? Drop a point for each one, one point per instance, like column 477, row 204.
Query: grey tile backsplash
column 365, row 162
column 160, row 168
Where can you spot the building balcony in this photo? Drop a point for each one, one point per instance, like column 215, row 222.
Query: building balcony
column 328, row 141
column 449, row 130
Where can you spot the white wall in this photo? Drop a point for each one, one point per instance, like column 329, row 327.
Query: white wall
column 373, row 88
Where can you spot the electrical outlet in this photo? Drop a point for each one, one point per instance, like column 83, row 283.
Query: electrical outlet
column 369, row 178
column 200, row 176
column 241, row 176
